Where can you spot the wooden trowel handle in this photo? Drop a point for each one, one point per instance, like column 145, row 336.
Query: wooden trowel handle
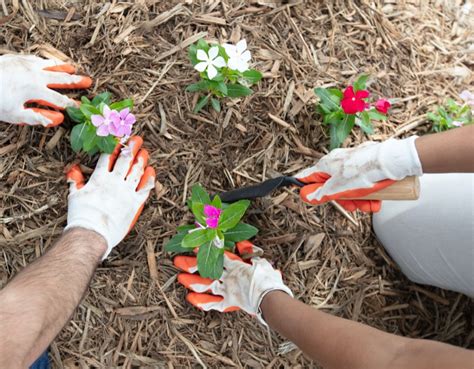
column 406, row 189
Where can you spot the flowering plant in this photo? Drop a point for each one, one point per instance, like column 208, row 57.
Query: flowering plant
column 100, row 123
column 341, row 110
column 224, row 71
column 217, row 227
column 453, row 114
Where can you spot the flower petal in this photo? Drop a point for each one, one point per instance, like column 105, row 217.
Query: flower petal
column 233, row 63
column 219, row 62
column 246, row 56
column 212, row 222
column 211, row 71
column 130, row 119
column 213, row 52
column 348, row 106
column 230, row 49
column 201, row 55
column 106, row 111
column 97, row 120
column 349, row 92
column 124, row 112
column 362, row 94
column 201, row 67
column 242, row 66
column 103, row 130
column 241, row 46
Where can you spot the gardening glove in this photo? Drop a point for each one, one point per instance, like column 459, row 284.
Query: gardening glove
column 28, row 79
column 112, row 200
column 242, row 286
column 359, row 171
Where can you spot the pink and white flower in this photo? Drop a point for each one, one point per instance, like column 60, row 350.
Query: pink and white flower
column 103, row 122
column 122, row 123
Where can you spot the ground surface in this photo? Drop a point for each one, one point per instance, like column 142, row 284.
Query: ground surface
column 416, row 52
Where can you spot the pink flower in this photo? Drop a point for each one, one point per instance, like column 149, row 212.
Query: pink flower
column 212, row 215
column 457, row 123
column 382, row 105
column 122, row 123
column 353, row 102
column 103, row 122
column 468, row 97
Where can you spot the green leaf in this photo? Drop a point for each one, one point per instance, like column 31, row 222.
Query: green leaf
column 198, row 211
column 201, row 103
column 216, row 105
column 92, row 151
column 77, row 136
column 229, row 245
column 199, row 86
column 85, row 100
column 192, row 51
column 119, row 105
column 335, row 92
column 199, row 195
column 174, row 245
column 364, row 123
column 335, row 117
column 232, row 215
column 210, row 261
column 185, row 228
column 342, row 130
column 104, row 97
column 202, row 44
column 330, row 101
column 222, row 88
column 75, row 114
column 360, row 83
column 211, row 234
column 240, row 232
column 216, row 202
column 236, row 90
column 88, row 110
column 374, row 114
column 194, row 239
column 252, row 76
column 107, row 144
column 433, row 117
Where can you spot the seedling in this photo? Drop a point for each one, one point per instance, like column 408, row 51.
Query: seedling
column 217, row 227
column 224, row 71
column 453, row 114
column 100, row 124
column 341, row 110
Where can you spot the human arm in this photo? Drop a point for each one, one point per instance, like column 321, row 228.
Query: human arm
column 354, row 172
column 340, row 343
column 27, row 79
column 40, row 299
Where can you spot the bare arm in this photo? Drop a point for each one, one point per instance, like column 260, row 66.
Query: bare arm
column 39, row 301
column 340, row 343
column 447, row 152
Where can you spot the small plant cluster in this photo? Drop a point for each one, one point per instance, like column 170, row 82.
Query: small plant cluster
column 217, row 227
column 453, row 114
column 224, row 71
column 341, row 110
column 100, row 123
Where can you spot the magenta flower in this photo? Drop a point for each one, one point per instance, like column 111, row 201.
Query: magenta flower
column 382, row 106
column 103, row 122
column 122, row 123
column 212, row 215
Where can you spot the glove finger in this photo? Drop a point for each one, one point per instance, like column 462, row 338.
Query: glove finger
column 75, row 178
column 65, row 68
column 43, row 117
column 186, row 263
column 349, row 205
column 206, row 302
column 361, row 192
column 312, row 176
column 127, row 156
column 67, row 81
column 147, row 182
column 136, row 171
column 366, row 206
column 248, row 250
column 55, row 100
column 307, row 193
column 195, row 282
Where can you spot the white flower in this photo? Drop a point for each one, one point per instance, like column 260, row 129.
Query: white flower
column 457, row 123
column 239, row 56
column 468, row 97
column 209, row 61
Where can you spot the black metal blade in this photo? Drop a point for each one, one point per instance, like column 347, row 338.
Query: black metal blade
column 259, row 190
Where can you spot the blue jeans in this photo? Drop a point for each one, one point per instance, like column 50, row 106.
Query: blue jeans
column 42, row 362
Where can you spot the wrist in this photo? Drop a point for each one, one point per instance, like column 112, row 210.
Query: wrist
column 269, row 300
column 89, row 241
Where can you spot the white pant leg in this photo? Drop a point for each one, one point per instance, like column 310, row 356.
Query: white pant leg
column 432, row 239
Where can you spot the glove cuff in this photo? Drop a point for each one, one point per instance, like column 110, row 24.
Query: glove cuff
column 282, row 288
column 399, row 158
column 92, row 227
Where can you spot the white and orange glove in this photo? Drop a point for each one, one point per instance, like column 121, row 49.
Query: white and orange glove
column 359, row 171
column 112, row 200
column 242, row 286
column 26, row 79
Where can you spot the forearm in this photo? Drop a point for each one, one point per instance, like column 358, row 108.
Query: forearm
column 38, row 301
column 447, row 152
column 340, row 343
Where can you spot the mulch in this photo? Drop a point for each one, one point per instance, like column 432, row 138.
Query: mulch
column 134, row 313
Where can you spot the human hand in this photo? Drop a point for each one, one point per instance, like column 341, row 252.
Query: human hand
column 242, row 286
column 30, row 79
column 112, row 200
column 359, row 171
